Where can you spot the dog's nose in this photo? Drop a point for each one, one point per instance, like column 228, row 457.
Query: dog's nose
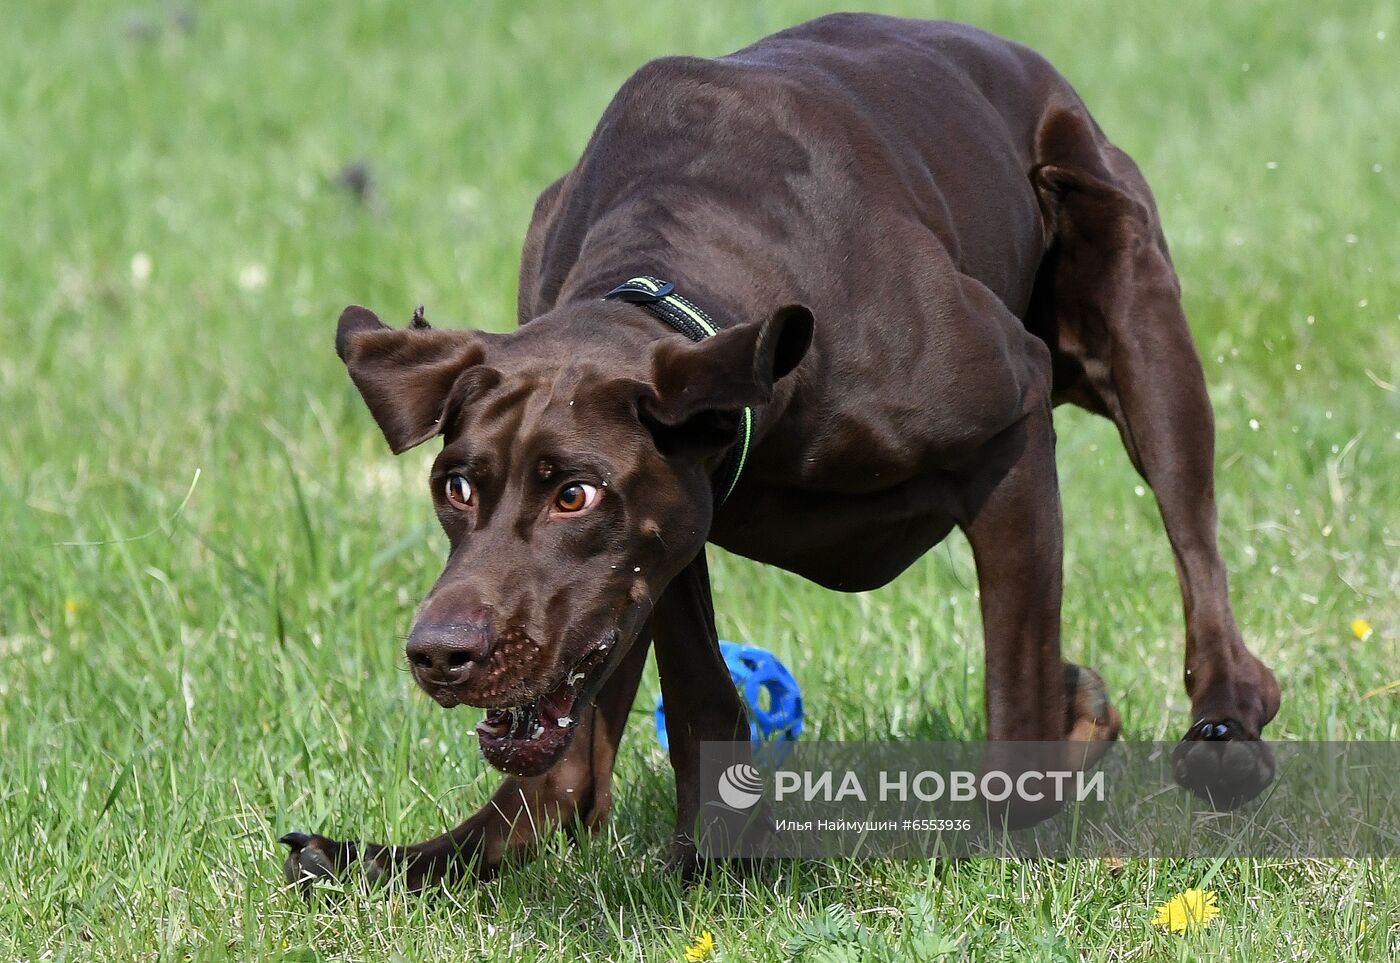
column 445, row 651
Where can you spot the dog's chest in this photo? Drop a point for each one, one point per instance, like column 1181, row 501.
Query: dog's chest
column 846, row 541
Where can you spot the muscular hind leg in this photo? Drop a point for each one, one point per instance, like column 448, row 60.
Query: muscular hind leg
column 1123, row 349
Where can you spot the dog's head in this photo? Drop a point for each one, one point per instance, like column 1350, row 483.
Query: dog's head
column 573, row 485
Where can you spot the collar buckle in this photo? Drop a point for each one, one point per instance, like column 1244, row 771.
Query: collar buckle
column 634, row 293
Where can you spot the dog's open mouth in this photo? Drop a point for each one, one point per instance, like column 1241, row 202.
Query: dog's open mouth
column 526, row 740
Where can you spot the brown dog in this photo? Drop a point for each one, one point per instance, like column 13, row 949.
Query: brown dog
column 913, row 241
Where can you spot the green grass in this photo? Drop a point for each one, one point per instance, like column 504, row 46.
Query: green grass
column 207, row 557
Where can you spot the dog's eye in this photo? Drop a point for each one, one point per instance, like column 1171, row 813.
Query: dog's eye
column 575, row 497
column 459, row 492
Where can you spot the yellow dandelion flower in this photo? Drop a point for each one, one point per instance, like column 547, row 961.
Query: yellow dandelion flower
column 1361, row 629
column 70, row 608
column 701, row 949
column 1193, row 909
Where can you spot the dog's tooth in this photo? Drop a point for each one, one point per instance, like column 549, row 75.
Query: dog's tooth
column 574, row 677
column 539, row 731
column 565, row 722
column 491, row 729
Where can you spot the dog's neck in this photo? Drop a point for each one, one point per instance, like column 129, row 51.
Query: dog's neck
column 713, row 271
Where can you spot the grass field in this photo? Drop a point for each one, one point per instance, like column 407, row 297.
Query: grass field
column 207, row 557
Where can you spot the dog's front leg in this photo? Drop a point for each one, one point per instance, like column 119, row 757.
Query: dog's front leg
column 576, row 792
column 702, row 704
column 1012, row 521
column 1014, row 526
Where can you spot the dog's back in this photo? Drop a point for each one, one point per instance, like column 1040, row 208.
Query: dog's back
column 939, row 117
column 851, row 119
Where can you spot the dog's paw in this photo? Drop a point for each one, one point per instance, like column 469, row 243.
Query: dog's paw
column 313, row 858
column 1089, row 715
column 1223, row 764
column 683, row 859
column 1017, row 812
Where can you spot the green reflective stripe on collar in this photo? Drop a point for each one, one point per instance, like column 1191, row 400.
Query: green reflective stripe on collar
column 743, row 452
column 680, row 304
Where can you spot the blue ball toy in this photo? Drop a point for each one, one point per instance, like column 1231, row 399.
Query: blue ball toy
column 770, row 692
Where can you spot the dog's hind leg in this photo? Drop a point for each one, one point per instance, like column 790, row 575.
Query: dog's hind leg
column 576, row 792
column 1111, row 312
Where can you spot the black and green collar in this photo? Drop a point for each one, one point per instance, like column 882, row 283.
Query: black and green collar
column 660, row 298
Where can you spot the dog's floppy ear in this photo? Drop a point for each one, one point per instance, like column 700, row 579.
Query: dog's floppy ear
column 700, row 389
column 411, row 379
